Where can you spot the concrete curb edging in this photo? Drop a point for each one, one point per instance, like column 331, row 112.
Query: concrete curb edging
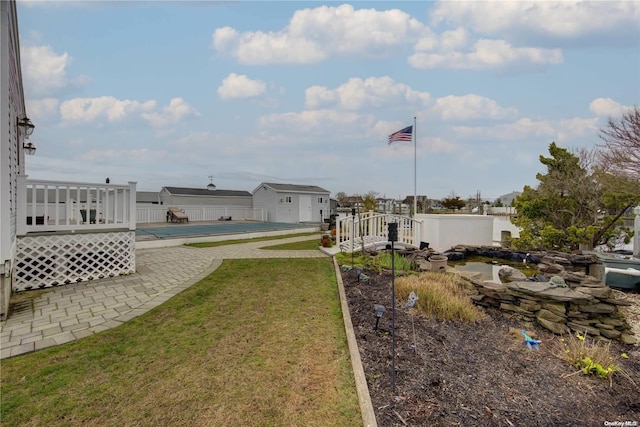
column 366, row 407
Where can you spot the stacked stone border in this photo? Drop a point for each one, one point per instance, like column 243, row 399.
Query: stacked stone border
column 584, row 305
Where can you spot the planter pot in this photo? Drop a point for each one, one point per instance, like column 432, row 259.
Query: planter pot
column 438, row 262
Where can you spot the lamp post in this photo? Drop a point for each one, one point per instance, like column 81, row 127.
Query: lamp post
column 636, row 226
column 393, row 237
column 378, row 309
column 353, row 231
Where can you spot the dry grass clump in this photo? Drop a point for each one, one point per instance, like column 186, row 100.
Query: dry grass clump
column 439, row 296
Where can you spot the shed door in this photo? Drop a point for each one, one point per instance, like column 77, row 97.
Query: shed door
column 305, row 208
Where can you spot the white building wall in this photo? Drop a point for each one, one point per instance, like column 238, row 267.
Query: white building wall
column 281, row 210
column 443, row 232
column 320, row 210
column 173, row 200
column 12, row 155
column 265, row 198
column 502, row 223
column 287, row 212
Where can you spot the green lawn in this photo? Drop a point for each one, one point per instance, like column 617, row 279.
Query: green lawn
column 258, row 342
column 255, row 239
column 296, row 246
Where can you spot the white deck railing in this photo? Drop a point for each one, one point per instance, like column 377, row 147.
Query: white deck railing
column 372, row 228
column 73, row 206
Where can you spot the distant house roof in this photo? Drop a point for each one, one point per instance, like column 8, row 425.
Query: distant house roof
column 295, row 188
column 508, row 198
column 203, row 192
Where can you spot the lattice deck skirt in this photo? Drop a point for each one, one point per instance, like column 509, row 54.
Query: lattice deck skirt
column 58, row 259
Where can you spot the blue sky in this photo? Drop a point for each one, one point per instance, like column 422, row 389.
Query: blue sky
column 170, row 93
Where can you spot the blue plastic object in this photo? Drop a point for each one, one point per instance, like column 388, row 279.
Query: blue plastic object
column 530, row 342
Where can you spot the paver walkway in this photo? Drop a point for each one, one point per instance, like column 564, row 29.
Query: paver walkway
column 75, row 311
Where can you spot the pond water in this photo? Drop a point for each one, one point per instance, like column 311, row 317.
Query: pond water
column 487, row 271
column 489, row 267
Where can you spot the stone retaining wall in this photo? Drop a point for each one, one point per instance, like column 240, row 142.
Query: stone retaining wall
column 584, row 304
column 589, row 307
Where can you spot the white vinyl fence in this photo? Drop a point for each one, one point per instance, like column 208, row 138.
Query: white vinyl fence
column 158, row 213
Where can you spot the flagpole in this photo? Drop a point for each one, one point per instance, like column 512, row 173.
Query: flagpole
column 415, row 179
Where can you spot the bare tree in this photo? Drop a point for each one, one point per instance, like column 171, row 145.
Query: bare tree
column 621, row 145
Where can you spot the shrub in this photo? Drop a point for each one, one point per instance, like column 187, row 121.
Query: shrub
column 383, row 261
column 344, row 258
column 589, row 356
column 439, row 296
column 378, row 262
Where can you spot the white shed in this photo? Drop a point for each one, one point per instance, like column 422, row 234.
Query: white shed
column 292, row 203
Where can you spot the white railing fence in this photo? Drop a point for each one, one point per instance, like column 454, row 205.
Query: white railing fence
column 45, row 205
column 373, row 229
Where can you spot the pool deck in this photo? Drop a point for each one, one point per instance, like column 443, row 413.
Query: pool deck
column 159, row 235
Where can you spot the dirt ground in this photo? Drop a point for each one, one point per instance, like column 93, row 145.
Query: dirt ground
column 450, row 373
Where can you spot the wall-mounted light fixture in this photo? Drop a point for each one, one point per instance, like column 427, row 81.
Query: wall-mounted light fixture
column 24, row 123
column 26, row 128
column 29, row 148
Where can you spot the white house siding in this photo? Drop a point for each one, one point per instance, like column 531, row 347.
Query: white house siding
column 286, row 211
column 287, row 205
column 443, row 232
column 213, row 201
column 265, row 198
column 169, row 199
column 11, row 156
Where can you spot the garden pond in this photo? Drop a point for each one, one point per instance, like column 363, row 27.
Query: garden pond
column 489, row 267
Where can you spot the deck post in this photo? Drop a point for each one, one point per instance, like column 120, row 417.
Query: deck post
column 132, row 205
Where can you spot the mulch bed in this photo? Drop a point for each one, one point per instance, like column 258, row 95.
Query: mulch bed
column 450, row 373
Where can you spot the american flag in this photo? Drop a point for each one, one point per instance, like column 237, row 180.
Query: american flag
column 402, row 135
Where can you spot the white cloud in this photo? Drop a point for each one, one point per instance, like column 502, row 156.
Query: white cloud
column 137, row 155
column 607, row 107
column 177, row 110
column 315, row 122
column 558, row 19
column 113, row 109
column 485, row 54
column 313, row 35
column 437, row 144
column 239, row 86
column 44, row 72
column 470, row 107
column 39, row 109
column 559, row 130
column 448, row 40
column 357, row 93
